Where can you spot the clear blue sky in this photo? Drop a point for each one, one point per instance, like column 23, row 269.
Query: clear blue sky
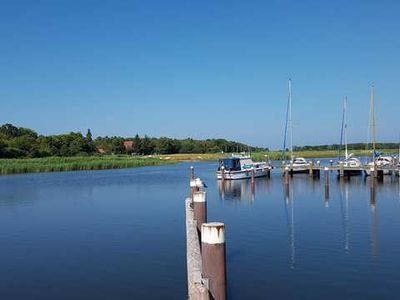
column 200, row 68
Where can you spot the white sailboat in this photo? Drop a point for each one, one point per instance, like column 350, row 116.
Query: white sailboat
column 296, row 164
column 351, row 164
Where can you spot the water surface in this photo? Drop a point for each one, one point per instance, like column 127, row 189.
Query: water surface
column 119, row 234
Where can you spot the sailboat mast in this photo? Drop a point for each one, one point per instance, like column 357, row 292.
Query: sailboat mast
column 290, row 119
column 345, row 127
column 373, row 120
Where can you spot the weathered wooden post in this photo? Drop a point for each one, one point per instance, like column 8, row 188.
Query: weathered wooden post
column 310, row 170
column 191, row 172
column 193, row 187
column 214, row 258
column 331, row 163
column 286, row 176
column 200, row 208
column 253, row 175
column 326, row 174
column 341, row 169
column 222, row 174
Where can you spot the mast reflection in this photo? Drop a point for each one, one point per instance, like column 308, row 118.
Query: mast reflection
column 289, row 211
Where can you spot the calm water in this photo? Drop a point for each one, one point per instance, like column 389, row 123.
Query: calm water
column 120, row 234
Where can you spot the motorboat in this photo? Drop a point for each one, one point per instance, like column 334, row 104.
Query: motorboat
column 386, row 163
column 241, row 167
column 298, row 165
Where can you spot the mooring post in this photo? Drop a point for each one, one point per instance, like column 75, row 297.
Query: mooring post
column 191, row 173
column 253, row 175
column 222, row 174
column 214, row 258
column 286, row 176
column 310, row 170
column 331, row 163
column 200, row 208
column 193, row 188
column 326, row 174
column 341, row 169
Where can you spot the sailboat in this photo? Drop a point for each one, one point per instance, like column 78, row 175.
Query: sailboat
column 351, row 164
column 378, row 160
column 296, row 164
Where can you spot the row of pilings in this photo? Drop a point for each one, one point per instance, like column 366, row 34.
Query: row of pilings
column 205, row 247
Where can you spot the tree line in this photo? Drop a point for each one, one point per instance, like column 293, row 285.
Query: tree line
column 354, row 146
column 19, row 142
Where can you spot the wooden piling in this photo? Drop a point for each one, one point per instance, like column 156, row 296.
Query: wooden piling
column 193, row 188
column 326, row 175
column 310, row 170
column 214, row 258
column 200, row 208
column 222, row 174
column 341, row 170
column 253, row 175
column 286, row 176
column 191, row 173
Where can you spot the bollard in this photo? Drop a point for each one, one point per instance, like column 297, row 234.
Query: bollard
column 253, row 175
column 200, row 208
column 331, row 163
column 222, row 174
column 310, row 170
column 193, row 188
column 341, row 170
column 191, row 172
column 214, row 258
column 286, row 176
column 326, row 174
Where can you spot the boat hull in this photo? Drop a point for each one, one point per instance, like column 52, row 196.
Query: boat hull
column 244, row 174
column 367, row 172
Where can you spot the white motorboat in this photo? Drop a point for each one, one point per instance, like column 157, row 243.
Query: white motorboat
column 241, row 167
column 298, row 165
column 382, row 162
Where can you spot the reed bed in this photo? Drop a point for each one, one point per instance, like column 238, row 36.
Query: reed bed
column 60, row 164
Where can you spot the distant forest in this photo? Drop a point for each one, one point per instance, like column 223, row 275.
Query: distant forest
column 355, row 146
column 18, row 142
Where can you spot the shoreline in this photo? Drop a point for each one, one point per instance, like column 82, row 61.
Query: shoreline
column 107, row 162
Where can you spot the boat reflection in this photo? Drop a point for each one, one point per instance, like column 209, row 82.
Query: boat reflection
column 344, row 206
column 242, row 190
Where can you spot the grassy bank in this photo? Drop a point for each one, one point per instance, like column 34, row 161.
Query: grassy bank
column 59, row 164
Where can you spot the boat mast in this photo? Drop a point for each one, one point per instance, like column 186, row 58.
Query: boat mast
column 290, row 119
column 345, row 128
column 373, row 121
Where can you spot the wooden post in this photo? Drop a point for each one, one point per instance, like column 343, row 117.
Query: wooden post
column 326, row 174
column 193, row 188
column 331, row 163
column 214, row 258
column 286, row 176
column 222, row 174
column 253, row 175
column 200, row 208
column 310, row 171
column 341, row 170
column 191, row 172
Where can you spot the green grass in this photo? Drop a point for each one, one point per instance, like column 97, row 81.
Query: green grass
column 60, row 164
column 79, row 163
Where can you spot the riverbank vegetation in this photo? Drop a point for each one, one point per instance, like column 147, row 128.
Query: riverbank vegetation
column 18, row 142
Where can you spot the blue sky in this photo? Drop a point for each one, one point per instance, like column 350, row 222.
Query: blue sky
column 200, row 68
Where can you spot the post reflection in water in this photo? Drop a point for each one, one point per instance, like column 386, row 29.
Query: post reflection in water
column 374, row 218
column 289, row 211
column 344, row 205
